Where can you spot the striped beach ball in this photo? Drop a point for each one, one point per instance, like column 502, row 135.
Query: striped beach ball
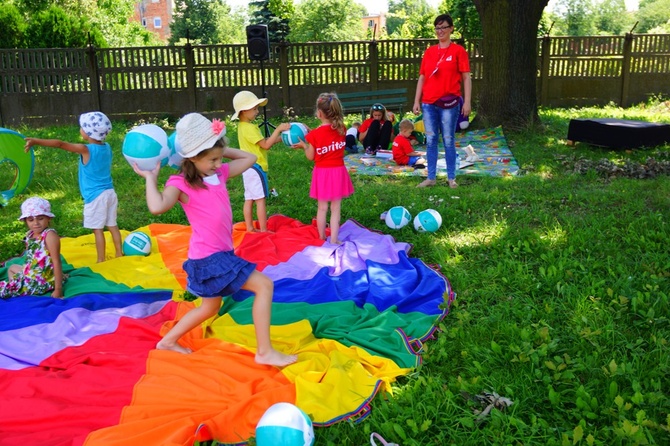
column 137, row 243
column 428, row 221
column 297, row 133
column 284, row 424
column 397, row 217
column 174, row 158
column 146, row 145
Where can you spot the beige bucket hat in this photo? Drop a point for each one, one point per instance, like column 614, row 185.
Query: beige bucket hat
column 196, row 133
column 246, row 100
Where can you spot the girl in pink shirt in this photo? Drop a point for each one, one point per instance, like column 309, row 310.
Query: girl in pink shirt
column 330, row 178
column 212, row 268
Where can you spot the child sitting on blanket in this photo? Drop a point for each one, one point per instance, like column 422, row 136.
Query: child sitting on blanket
column 42, row 271
column 352, row 138
column 403, row 152
column 212, row 268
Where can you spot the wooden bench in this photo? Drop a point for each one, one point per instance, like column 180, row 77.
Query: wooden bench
column 361, row 101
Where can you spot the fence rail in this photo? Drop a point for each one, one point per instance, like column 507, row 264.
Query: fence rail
column 54, row 85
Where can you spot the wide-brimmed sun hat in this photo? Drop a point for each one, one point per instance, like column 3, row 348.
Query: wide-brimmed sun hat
column 96, row 125
column 246, row 100
column 196, row 133
column 35, row 206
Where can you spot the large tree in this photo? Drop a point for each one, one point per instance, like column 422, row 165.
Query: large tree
column 410, row 19
column 275, row 14
column 13, row 26
column 508, row 93
column 466, row 18
column 198, row 20
column 327, row 21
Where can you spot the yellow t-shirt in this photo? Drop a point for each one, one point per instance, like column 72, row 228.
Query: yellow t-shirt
column 249, row 134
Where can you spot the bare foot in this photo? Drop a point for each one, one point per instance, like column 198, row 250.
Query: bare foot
column 335, row 242
column 252, row 230
column 273, row 357
column 426, row 183
column 162, row 345
column 452, row 184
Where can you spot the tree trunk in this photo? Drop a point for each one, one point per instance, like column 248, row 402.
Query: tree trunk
column 508, row 94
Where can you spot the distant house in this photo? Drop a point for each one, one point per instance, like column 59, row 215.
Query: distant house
column 375, row 23
column 155, row 16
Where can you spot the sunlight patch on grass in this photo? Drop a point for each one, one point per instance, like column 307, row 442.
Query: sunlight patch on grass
column 555, row 236
column 484, row 234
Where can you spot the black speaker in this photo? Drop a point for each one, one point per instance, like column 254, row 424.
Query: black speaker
column 258, row 42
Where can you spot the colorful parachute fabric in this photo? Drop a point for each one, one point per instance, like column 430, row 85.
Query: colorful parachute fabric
column 83, row 370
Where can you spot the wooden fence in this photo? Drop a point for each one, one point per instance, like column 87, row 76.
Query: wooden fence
column 43, row 86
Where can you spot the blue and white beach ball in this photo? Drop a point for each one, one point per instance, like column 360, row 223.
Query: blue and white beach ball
column 146, row 145
column 428, row 221
column 284, row 424
column 174, row 159
column 137, row 244
column 397, row 217
column 297, row 133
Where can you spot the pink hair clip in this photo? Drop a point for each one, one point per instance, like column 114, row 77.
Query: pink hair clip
column 218, row 126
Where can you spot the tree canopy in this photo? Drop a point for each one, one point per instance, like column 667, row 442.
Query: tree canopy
column 327, row 21
column 36, row 24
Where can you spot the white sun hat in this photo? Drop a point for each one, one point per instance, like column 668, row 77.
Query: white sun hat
column 196, row 133
column 246, row 100
column 35, row 206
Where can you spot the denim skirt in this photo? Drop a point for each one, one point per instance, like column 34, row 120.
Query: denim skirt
column 220, row 274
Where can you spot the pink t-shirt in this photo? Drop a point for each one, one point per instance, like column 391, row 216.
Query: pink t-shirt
column 328, row 146
column 209, row 213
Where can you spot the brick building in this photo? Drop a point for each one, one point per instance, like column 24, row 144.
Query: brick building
column 155, row 15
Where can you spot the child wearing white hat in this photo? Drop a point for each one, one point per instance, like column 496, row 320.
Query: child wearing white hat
column 95, row 178
column 212, row 268
column 42, row 270
column 256, row 189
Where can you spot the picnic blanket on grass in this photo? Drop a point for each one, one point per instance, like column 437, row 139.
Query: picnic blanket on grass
column 490, row 145
column 84, row 371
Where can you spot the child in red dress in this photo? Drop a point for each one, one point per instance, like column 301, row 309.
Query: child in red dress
column 330, row 178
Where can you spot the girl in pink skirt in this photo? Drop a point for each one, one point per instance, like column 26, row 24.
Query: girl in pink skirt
column 330, row 178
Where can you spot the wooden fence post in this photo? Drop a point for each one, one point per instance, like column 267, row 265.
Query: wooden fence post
column 625, row 68
column 93, row 75
column 374, row 66
column 544, row 70
column 190, row 75
column 284, row 83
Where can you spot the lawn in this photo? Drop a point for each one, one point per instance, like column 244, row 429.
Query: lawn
column 562, row 277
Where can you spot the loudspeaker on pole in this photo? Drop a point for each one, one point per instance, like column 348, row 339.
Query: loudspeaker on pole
column 258, row 42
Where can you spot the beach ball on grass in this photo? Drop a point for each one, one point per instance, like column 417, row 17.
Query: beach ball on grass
column 174, row 158
column 137, row 243
column 397, row 217
column 146, row 145
column 428, row 221
column 284, row 424
column 297, row 133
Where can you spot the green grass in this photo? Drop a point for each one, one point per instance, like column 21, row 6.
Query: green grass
column 562, row 277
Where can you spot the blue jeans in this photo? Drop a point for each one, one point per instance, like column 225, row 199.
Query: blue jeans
column 442, row 121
